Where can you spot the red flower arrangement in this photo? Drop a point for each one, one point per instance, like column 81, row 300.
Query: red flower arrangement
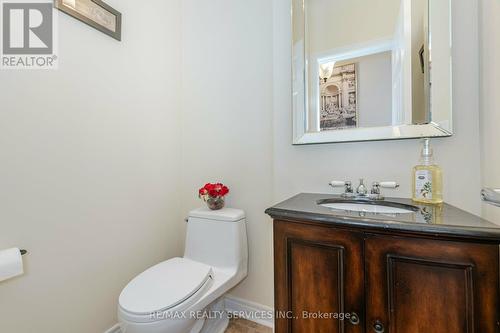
column 213, row 191
column 213, row 195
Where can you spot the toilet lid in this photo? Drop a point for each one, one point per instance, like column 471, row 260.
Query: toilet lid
column 164, row 286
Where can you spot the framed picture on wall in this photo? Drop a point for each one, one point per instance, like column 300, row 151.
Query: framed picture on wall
column 95, row 13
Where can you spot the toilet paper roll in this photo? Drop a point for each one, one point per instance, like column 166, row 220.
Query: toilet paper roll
column 11, row 264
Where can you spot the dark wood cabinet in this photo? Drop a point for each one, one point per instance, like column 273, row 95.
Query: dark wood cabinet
column 386, row 282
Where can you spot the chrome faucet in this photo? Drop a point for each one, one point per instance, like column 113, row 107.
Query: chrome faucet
column 361, row 190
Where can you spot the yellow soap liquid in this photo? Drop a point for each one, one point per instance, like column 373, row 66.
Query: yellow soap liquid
column 427, row 178
column 428, row 184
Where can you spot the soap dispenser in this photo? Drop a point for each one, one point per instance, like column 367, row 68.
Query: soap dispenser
column 427, row 178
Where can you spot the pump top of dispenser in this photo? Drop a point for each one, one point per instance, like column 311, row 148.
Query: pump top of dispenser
column 427, row 152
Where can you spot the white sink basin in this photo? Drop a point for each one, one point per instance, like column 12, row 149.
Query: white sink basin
column 366, row 208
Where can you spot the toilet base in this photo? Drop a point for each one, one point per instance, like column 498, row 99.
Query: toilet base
column 218, row 319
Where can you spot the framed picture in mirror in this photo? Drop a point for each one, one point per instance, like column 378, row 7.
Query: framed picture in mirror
column 95, row 13
column 338, row 96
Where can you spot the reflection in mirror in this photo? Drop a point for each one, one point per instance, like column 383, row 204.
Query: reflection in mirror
column 371, row 69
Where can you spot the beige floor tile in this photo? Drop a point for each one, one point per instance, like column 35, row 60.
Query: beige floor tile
column 238, row 325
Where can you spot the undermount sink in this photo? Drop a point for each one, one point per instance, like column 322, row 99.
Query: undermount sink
column 367, row 206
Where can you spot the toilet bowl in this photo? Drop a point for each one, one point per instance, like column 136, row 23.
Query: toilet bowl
column 185, row 295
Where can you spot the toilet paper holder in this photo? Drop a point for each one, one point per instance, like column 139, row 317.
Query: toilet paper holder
column 23, row 252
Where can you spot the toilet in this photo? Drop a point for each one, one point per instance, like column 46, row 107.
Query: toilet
column 185, row 295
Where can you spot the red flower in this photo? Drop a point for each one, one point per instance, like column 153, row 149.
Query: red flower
column 213, row 190
column 224, row 190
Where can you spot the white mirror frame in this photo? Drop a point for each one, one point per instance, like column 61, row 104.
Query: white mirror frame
column 301, row 137
column 300, row 113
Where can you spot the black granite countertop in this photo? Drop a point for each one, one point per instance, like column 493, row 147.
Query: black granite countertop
column 441, row 220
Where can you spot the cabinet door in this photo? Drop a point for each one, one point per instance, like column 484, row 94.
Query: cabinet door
column 318, row 276
column 427, row 286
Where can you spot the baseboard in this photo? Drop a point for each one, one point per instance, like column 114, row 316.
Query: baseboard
column 255, row 312
column 114, row 329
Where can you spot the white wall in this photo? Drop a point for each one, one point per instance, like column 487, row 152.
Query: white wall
column 227, row 119
column 490, row 100
column 310, row 168
column 89, row 173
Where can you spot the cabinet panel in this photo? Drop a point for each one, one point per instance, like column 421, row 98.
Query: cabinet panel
column 317, row 270
column 416, row 285
column 312, row 291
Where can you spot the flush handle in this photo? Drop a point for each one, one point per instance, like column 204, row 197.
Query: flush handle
column 354, row 319
column 378, row 327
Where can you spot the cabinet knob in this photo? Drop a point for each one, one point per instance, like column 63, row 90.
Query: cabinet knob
column 354, row 319
column 378, row 327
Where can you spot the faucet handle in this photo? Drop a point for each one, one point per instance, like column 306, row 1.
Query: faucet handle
column 388, row 184
column 375, row 192
column 338, row 183
column 347, row 185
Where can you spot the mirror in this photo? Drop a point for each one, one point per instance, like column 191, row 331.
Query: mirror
column 368, row 70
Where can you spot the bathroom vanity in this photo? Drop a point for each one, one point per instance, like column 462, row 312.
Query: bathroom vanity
column 433, row 269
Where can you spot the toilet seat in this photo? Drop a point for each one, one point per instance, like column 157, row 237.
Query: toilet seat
column 172, row 285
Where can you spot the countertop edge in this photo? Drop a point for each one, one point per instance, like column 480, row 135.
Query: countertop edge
column 453, row 232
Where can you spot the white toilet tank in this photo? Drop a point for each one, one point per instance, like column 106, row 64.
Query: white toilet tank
column 218, row 238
